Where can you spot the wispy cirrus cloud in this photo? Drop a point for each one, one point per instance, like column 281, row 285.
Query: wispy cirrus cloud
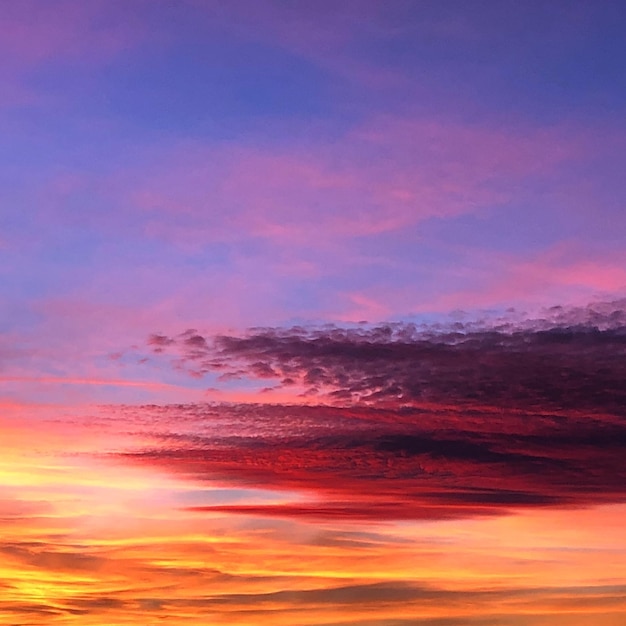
column 385, row 174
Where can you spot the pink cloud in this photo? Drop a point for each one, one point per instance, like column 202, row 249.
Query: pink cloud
column 383, row 177
column 107, row 382
column 561, row 274
column 363, row 307
column 303, row 205
column 326, row 34
column 32, row 32
column 66, row 353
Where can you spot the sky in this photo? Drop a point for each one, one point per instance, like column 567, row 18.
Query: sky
column 312, row 313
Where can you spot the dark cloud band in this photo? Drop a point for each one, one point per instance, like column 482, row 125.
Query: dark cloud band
column 421, row 422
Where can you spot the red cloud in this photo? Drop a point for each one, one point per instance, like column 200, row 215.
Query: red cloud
column 365, row 463
column 427, row 422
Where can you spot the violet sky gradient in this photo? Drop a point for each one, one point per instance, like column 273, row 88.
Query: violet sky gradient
column 234, row 164
column 344, row 280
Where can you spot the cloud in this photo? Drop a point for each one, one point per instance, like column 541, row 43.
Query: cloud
column 376, row 464
column 33, row 32
column 570, row 359
column 36, row 36
column 37, row 555
column 385, row 175
column 397, row 597
column 464, row 418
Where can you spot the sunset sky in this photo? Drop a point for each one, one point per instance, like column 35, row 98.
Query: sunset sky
column 312, row 313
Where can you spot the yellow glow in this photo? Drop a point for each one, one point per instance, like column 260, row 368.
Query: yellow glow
column 95, row 541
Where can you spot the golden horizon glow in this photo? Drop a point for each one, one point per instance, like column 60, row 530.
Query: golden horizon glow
column 93, row 540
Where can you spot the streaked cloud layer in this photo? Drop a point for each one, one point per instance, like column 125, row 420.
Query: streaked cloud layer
column 312, row 313
column 419, row 422
column 346, row 491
